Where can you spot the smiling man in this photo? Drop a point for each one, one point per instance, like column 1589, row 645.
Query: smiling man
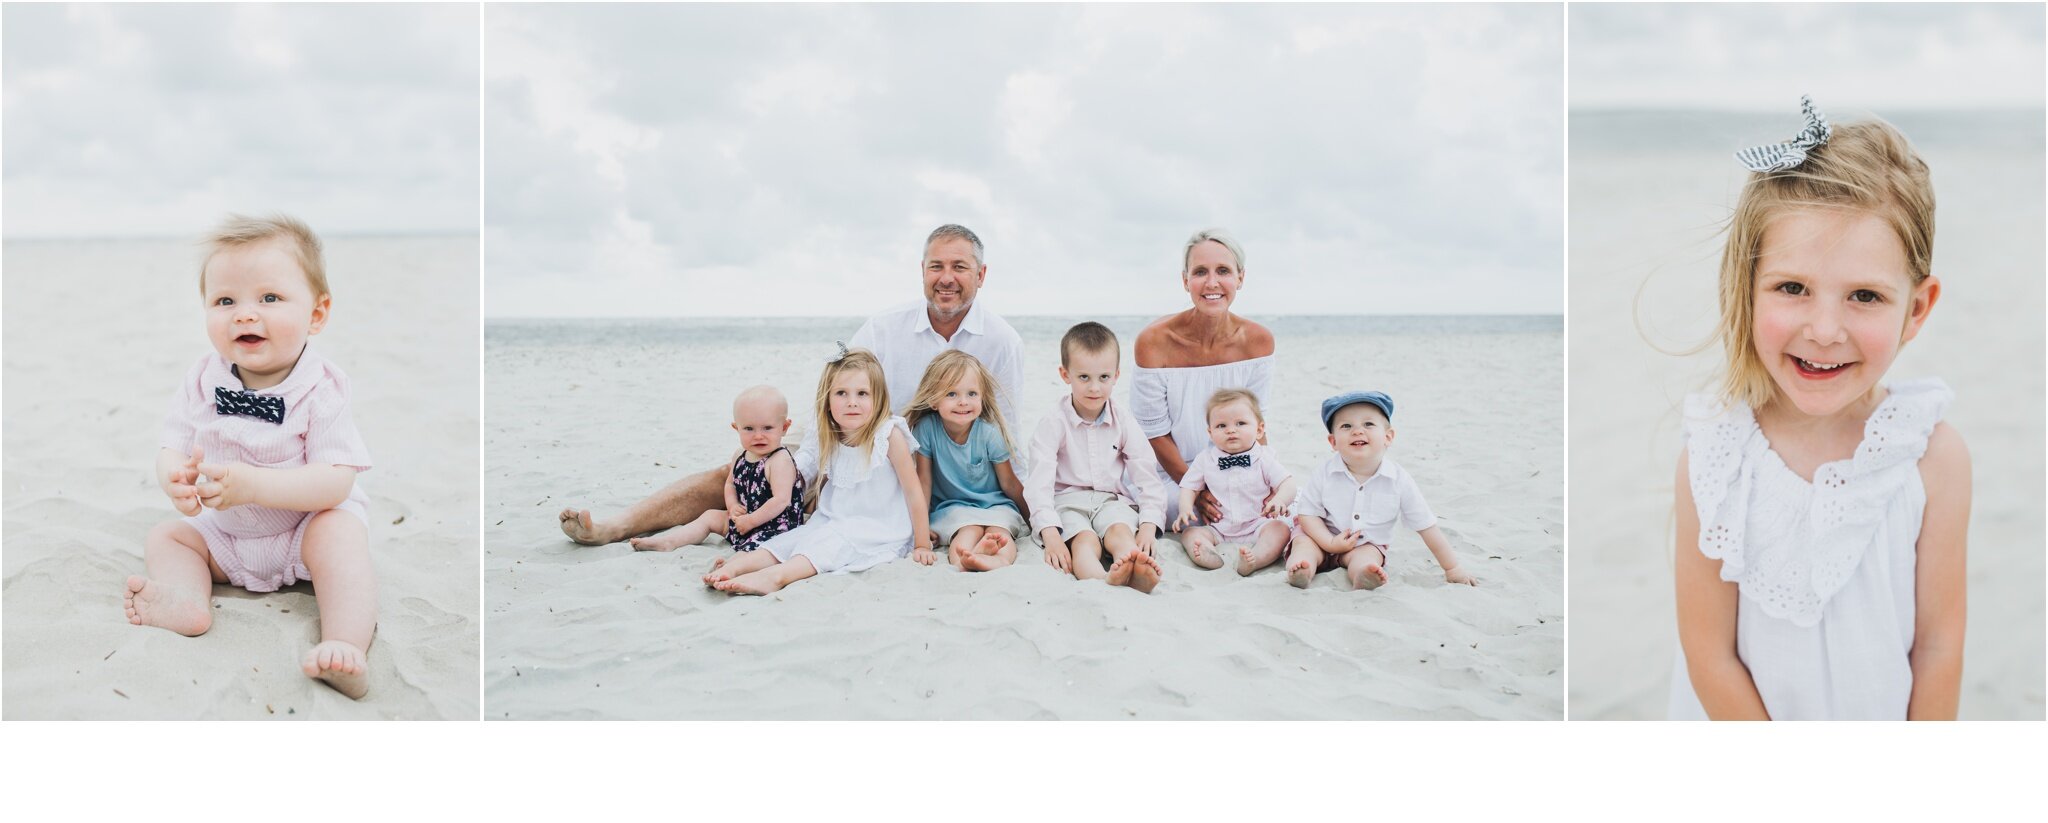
column 905, row 340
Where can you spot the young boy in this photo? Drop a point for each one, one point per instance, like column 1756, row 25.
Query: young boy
column 260, row 455
column 1347, row 508
column 1250, row 485
column 1080, row 456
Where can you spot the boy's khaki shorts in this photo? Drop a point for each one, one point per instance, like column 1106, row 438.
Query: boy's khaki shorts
column 1092, row 511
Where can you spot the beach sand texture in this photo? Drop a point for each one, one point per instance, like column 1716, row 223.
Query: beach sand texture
column 98, row 333
column 601, row 413
column 1649, row 191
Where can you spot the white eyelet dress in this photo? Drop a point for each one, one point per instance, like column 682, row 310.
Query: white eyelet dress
column 1825, row 619
column 862, row 519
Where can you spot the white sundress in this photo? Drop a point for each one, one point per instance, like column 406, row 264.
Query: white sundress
column 862, row 519
column 1175, row 401
column 1825, row 618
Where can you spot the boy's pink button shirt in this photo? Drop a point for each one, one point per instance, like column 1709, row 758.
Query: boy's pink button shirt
column 317, row 429
column 1068, row 453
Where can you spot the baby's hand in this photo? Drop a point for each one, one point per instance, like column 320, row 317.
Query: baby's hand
column 1457, row 574
column 1345, row 541
column 183, row 486
column 1180, row 523
column 227, row 485
column 1276, row 507
column 738, row 518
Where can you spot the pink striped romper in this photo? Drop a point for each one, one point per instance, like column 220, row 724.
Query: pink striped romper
column 257, row 546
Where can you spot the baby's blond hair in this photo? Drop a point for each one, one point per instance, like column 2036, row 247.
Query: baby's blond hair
column 944, row 373
column 1865, row 167
column 830, row 436
column 239, row 232
column 1225, row 397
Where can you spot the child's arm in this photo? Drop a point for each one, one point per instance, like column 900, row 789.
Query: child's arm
column 735, row 511
column 302, row 489
column 178, row 476
column 1038, row 482
column 1706, row 620
column 1439, row 545
column 1282, row 497
column 914, row 497
column 1006, row 478
column 1938, row 578
column 781, row 492
column 1318, row 531
column 924, row 481
column 1187, row 509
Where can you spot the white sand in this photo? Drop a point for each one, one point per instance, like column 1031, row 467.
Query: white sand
column 600, row 415
column 1650, row 216
column 97, row 336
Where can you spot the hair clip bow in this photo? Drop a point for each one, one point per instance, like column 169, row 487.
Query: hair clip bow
column 1788, row 155
column 842, row 352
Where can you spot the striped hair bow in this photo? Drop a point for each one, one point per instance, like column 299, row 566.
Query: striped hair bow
column 1788, row 155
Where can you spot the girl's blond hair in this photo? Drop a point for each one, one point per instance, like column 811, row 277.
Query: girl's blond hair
column 829, row 434
column 944, row 373
column 1866, row 167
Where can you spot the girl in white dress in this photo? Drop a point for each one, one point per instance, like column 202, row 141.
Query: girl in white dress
column 1822, row 513
column 864, row 519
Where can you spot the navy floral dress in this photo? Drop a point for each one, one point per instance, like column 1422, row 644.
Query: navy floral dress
column 750, row 482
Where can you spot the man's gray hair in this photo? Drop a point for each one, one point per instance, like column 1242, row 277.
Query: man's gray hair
column 1217, row 235
column 952, row 230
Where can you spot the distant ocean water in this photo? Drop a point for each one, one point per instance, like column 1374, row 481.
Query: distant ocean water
column 638, row 332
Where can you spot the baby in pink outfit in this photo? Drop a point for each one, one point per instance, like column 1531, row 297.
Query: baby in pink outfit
column 260, row 455
column 1250, row 485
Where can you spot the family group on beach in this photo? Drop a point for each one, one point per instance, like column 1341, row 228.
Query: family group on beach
column 914, row 449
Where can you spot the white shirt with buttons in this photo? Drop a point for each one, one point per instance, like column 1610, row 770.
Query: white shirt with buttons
column 1370, row 505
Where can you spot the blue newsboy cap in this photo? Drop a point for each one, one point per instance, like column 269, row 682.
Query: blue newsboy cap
column 1380, row 399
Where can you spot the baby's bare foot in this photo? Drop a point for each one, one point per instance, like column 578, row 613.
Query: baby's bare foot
column 1368, row 577
column 657, row 543
column 1245, row 563
column 754, row 583
column 341, row 665
column 1201, row 556
column 578, row 525
column 1120, row 571
column 1144, row 572
column 1300, row 572
column 154, row 603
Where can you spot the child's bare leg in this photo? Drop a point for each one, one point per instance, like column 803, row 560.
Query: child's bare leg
column 336, row 549
column 178, row 593
column 1132, row 568
column 962, row 546
column 727, row 568
column 1087, row 551
column 688, row 534
column 1265, row 548
column 1200, row 543
column 769, row 580
column 1302, row 561
column 995, row 550
column 1366, row 567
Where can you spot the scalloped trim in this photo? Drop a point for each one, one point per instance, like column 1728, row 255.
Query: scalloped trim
column 1726, row 449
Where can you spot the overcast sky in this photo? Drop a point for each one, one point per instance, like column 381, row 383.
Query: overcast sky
column 713, row 160
column 158, row 119
column 1849, row 56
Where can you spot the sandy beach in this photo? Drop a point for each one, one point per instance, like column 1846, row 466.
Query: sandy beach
column 599, row 413
column 1648, row 193
column 85, row 402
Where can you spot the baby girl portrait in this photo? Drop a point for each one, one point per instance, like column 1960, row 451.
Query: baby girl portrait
column 1810, row 421
column 241, row 341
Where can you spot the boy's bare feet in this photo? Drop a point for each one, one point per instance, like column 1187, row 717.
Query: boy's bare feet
column 754, row 583
column 1120, row 571
column 1368, row 577
column 341, row 665
column 1144, row 571
column 152, row 603
column 1300, row 572
column 578, row 525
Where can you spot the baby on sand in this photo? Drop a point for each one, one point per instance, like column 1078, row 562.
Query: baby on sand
column 260, row 455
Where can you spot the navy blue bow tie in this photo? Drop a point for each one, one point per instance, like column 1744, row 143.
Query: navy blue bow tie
column 248, row 404
column 1232, row 461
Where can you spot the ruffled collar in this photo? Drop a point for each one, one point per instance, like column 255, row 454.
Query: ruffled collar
column 1792, row 576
